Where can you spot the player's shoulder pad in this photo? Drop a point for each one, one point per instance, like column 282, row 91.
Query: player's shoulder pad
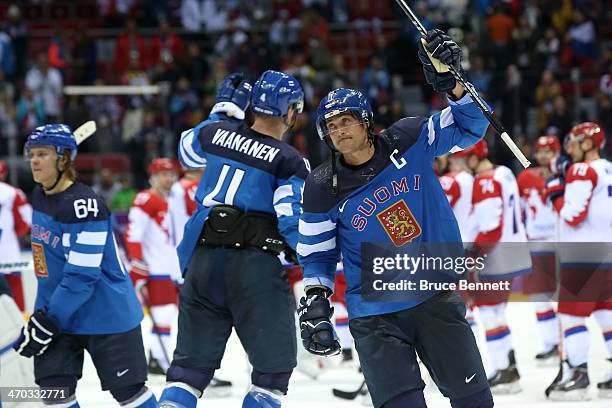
column 404, row 133
column 581, row 171
column 318, row 197
column 209, row 129
column 79, row 203
column 293, row 164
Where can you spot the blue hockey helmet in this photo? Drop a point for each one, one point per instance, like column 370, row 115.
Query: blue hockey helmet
column 343, row 100
column 59, row 136
column 274, row 92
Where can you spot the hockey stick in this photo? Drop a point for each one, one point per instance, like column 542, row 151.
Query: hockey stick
column 471, row 91
column 350, row 395
column 84, row 131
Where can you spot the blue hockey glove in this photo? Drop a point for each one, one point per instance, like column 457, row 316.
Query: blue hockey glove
column 233, row 96
column 554, row 188
column 36, row 335
column 316, row 329
column 437, row 51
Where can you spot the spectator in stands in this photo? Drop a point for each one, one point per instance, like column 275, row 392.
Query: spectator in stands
column 106, row 185
column 84, row 58
column 376, row 81
column 546, row 92
column 46, row 84
column 75, row 113
column 107, row 112
column 513, row 97
column 166, row 46
column 501, row 25
column 182, row 103
column 284, row 30
column 30, row 112
column 313, row 26
column 560, row 118
column 479, row 76
column 547, row 52
column 17, row 29
column 145, row 145
column 58, row 53
column 215, row 15
column 130, row 47
column 194, row 66
column 7, row 111
column 7, row 56
column 582, row 39
column 191, row 15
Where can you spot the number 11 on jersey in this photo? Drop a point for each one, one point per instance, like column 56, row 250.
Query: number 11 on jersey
column 216, row 196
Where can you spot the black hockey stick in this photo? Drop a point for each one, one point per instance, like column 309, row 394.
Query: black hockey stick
column 471, row 91
column 351, row 395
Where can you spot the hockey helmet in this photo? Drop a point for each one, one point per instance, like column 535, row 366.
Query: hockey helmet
column 480, row 149
column 59, row 136
column 274, row 92
column 343, row 100
column 160, row 164
column 588, row 130
column 548, row 142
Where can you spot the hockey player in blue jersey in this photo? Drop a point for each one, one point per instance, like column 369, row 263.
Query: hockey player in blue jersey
column 85, row 298
column 382, row 189
column 249, row 203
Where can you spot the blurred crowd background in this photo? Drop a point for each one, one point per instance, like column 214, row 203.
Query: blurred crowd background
column 543, row 64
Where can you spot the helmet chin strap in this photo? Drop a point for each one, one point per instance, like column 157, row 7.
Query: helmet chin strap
column 60, row 173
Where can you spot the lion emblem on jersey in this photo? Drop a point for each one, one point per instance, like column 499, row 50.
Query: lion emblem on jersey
column 399, row 223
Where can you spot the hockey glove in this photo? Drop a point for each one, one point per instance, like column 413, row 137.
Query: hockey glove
column 316, row 329
column 437, row 51
column 233, row 96
column 554, row 189
column 139, row 272
column 36, row 335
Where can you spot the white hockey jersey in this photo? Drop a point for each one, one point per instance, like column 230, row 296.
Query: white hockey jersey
column 539, row 216
column 181, row 204
column 148, row 238
column 586, row 208
column 458, row 189
column 15, row 221
column 497, row 216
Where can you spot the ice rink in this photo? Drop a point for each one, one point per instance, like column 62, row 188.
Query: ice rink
column 307, row 393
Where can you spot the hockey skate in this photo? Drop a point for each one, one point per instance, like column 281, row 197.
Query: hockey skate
column 218, row 388
column 573, row 386
column 506, row 381
column 604, row 388
column 548, row 358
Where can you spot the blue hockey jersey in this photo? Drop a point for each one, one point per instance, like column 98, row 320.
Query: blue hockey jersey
column 82, row 283
column 398, row 181
column 246, row 169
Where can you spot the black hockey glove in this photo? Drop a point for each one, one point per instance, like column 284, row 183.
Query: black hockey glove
column 317, row 331
column 437, row 51
column 233, row 96
column 36, row 335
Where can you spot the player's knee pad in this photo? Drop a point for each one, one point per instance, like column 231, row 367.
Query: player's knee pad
column 271, row 381
column 259, row 397
column 198, row 379
column 412, row 399
column 480, row 399
column 134, row 396
column 65, row 382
